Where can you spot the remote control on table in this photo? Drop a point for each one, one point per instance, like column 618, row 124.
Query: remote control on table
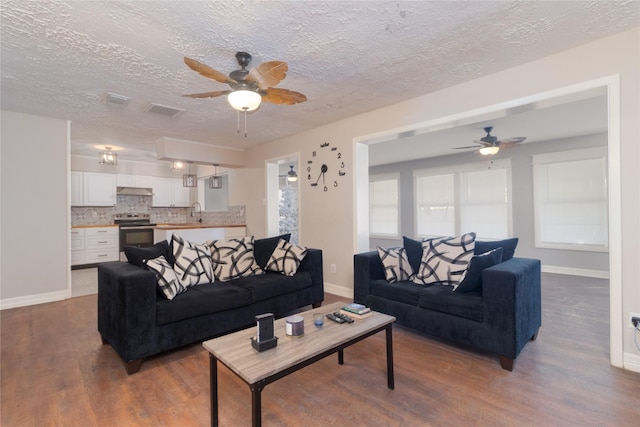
column 335, row 318
column 343, row 317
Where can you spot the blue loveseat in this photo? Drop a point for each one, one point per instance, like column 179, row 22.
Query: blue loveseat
column 500, row 317
column 138, row 321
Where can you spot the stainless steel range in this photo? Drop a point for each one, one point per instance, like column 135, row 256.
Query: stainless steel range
column 135, row 229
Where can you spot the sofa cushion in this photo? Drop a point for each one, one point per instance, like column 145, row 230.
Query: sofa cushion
column 442, row 298
column 406, row 291
column 271, row 284
column 508, row 246
column 286, row 258
column 263, row 248
column 192, row 262
column 136, row 255
column 445, row 259
column 165, row 276
column 233, row 258
column 201, row 300
column 396, row 265
column 472, row 278
column 414, row 251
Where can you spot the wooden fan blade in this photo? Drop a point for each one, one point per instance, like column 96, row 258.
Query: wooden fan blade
column 510, row 142
column 283, row 96
column 208, row 94
column 463, row 148
column 207, row 71
column 268, row 74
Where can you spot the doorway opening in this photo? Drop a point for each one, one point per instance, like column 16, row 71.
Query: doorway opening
column 283, row 202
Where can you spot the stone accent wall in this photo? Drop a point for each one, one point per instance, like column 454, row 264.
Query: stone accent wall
column 235, row 215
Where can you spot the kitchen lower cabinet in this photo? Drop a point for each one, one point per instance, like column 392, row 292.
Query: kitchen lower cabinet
column 92, row 245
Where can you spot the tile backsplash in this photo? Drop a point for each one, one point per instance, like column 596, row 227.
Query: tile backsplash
column 97, row 215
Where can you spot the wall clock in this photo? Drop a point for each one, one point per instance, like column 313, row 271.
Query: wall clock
column 326, row 167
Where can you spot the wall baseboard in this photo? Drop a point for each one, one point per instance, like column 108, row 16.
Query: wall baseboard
column 631, row 362
column 34, row 299
column 598, row 274
column 338, row 290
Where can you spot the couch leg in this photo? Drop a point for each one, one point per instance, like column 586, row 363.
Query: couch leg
column 133, row 366
column 103, row 340
column 533, row 338
column 506, row 363
column 316, row 305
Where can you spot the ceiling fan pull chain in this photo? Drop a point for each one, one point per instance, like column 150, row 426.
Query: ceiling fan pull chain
column 238, row 131
column 245, row 123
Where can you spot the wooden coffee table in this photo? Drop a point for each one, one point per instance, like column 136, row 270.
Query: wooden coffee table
column 258, row 369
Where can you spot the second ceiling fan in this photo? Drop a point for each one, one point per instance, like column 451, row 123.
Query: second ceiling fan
column 489, row 144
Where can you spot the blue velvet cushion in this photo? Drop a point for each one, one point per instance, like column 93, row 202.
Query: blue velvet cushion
column 136, row 255
column 263, row 248
column 508, row 246
column 414, row 251
column 472, row 280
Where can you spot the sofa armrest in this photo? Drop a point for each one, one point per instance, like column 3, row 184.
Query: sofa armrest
column 312, row 263
column 512, row 301
column 366, row 268
column 127, row 308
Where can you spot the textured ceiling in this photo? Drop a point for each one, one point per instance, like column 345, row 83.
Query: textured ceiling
column 60, row 58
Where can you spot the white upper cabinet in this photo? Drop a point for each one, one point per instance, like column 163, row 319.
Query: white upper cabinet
column 139, row 181
column 99, row 189
column 169, row 192
column 77, row 197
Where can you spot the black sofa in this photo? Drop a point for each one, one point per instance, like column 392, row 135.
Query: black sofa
column 138, row 321
column 499, row 318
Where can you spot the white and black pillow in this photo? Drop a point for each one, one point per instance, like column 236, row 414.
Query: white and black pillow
column 396, row 264
column 192, row 262
column 166, row 278
column 445, row 259
column 286, row 258
column 233, row 258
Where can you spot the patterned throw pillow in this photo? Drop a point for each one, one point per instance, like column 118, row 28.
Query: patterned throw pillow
column 233, row 258
column 286, row 258
column 193, row 262
column 445, row 259
column 396, row 264
column 166, row 277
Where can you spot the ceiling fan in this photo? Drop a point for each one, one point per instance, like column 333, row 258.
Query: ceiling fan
column 489, row 144
column 248, row 87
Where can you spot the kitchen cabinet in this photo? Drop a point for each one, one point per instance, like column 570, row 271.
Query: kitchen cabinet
column 137, row 181
column 77, row 198
column 198, row 234
column 99, row 189
column 169, row 192
column 93, row 245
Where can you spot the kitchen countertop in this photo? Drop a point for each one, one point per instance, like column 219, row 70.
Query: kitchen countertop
column 94, row 226
column 194, row 225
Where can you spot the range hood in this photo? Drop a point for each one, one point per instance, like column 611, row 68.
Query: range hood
column 134, row 191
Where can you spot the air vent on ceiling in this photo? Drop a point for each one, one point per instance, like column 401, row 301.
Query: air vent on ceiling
column 115, row 99
column 164, row 110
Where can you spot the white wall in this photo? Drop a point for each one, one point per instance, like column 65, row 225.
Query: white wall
column 34, row 223
column 328, row 219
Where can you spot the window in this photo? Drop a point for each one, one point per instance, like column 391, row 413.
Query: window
column 571, row 202
column 466, row 198
column 383, row 206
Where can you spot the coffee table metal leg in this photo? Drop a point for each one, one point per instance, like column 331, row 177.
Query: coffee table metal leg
column 256, row 403
column 213, row 383
column 390, row 378
column 341, row 357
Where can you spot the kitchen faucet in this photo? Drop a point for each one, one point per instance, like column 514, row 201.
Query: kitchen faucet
column 194, row 206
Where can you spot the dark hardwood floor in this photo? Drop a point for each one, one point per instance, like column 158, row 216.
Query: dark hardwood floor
column 56, row 372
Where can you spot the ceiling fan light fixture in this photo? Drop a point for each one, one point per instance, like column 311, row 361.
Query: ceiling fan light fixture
column 490, row 150
column 292, row 176
column 244, row 100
